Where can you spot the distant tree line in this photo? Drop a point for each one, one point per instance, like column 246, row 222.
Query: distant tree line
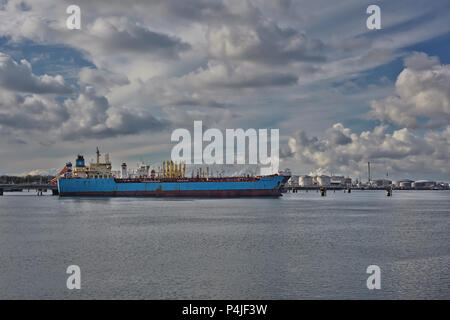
column 25, row 179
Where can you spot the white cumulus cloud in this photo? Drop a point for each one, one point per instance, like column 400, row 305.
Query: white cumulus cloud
column 422, row 98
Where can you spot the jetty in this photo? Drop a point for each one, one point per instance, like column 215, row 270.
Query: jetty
column 39, row 187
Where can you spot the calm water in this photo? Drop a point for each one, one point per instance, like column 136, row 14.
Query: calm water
column 296, row 247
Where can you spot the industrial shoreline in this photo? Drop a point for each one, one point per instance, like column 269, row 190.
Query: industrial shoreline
column 342, row 182
column 306, row 182
column 98, row 179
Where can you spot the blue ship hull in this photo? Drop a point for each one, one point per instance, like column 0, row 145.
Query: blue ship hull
column 212, row 188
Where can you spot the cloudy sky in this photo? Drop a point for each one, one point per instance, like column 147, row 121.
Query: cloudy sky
column 340, row 94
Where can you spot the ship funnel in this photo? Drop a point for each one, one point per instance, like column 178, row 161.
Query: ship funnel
column 124, row 173
column 80, row 161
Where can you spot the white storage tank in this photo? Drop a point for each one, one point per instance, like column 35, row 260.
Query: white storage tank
column 323, row 180
column 305, row 181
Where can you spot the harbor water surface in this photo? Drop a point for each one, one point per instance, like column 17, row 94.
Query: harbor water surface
column 300, row 246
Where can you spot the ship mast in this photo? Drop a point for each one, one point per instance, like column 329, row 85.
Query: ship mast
column 98, row 156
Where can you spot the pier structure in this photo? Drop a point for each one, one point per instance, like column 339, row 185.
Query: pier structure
column 40, row 188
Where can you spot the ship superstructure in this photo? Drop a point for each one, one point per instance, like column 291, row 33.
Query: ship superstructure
column 95, row 170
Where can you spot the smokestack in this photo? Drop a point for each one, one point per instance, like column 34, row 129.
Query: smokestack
column 368, row 170
column 124, row 172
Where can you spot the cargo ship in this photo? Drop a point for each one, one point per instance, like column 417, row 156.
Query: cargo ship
column 98, row 180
